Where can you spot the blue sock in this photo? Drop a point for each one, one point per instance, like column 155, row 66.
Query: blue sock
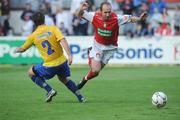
column 41, row 83
column 72, row 86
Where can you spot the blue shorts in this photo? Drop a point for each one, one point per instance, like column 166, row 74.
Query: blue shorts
column 49, row 72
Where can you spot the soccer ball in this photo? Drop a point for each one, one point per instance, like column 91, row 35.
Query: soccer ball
column 159, row 99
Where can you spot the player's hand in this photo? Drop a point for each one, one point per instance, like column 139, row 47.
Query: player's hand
column 19, row 50
column 70, row 59
column 84, row 6
column 143, row 16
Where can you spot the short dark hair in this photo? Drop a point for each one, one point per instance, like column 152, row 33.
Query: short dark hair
column 103, row 3
column 38, row 18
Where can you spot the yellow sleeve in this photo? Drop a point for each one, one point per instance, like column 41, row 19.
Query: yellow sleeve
column 58, row 34
column 28, row 43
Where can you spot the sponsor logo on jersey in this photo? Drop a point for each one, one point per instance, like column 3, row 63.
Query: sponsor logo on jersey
column 105, row 33
column 47, row 34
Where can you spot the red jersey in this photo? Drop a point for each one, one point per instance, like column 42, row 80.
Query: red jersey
column 106, row 32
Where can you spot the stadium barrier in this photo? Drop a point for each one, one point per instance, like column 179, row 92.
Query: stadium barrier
column 133, row 51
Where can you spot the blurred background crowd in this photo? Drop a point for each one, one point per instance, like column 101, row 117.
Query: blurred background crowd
column 163, row 19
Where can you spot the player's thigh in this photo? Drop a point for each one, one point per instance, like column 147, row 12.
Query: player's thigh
column 107, row 55
column 43, row 71
column 95, row 65
column 31, row 72
column 96, row 54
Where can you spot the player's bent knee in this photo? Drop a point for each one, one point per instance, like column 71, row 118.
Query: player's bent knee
column 30, row 72
column 96, row 74
column 64, row 80
column 96, row 70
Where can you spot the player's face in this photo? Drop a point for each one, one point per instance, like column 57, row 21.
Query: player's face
column 106, row 12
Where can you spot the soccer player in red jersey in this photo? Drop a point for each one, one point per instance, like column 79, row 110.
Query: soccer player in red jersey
column 106, row 24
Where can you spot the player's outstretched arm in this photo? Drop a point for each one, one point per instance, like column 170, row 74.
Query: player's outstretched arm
column 65, row 45
column 80, row 11
column 24, row 47
column 143, row 16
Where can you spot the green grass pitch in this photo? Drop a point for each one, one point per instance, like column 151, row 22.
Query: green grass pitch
column 118, row 93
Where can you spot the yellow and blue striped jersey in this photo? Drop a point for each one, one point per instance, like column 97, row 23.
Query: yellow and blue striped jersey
column 47, row 40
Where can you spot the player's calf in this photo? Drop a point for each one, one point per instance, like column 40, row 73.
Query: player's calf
column 39, row 80
column 81, row 83
column 89, row 76
column 72, row 86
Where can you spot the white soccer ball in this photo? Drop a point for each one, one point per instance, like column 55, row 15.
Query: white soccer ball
column 159, row 99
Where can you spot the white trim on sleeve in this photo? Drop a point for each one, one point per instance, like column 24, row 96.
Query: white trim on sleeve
column 88, row 15
column 123, row 19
